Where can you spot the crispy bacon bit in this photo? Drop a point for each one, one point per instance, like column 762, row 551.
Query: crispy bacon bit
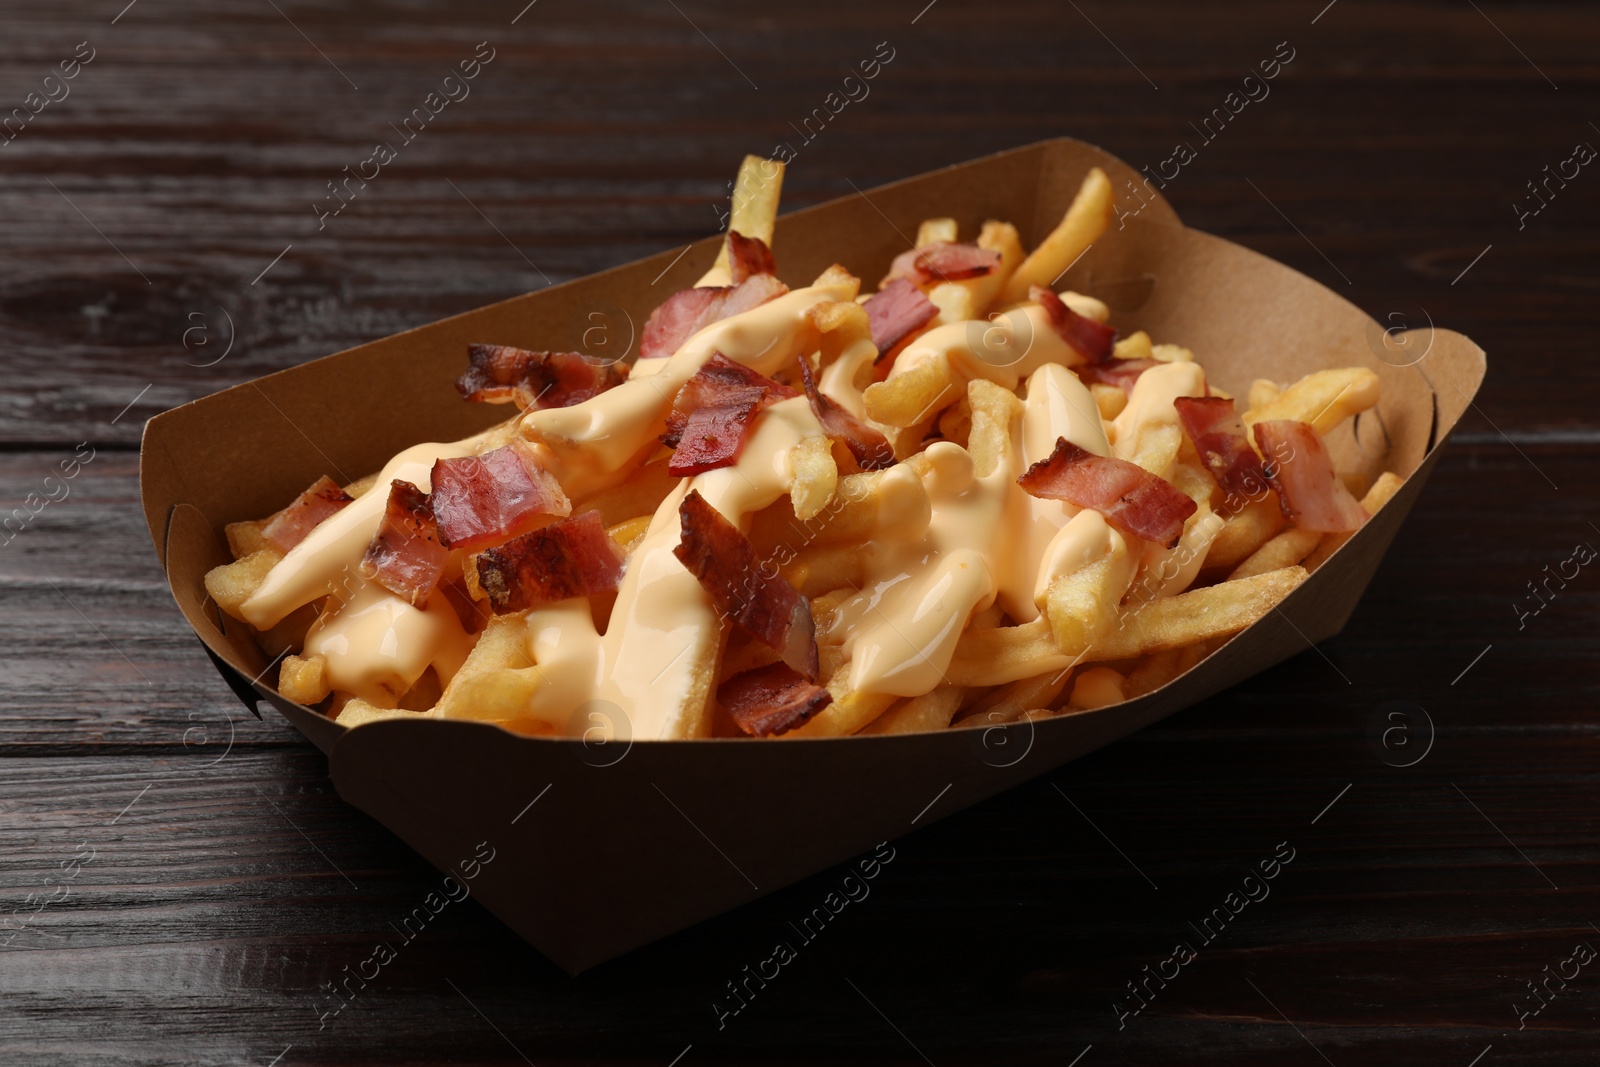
column 1131, row 498
column 1090, row 339
column 405, row 556
column 748, row 256
column 942, row 262
column 870, row 448
column 570, row 558
column 714, row 414
column 896, row 311
column 500, row 373
column 290, row 526
column 724, row 560
column 771, row 700
column 1298, row 466
column 1122, row 373
column 478, row 500
column 689, row 311
column 1218, row 435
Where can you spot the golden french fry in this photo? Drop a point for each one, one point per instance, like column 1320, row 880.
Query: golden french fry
column 231, row 584
column 1171, row 354
column 303, row 681
column 1098, row 687
column 1005, row 654
column 246, row 538
column 357, row 712
column 498, row 679
column 914, row 396
column 1382, row 491
column 1109, row 399
column 626, row 534
column 1082, row 605
column 1244, row 531
column 842, row 324
column 824, row 568
column 640, row 494
column 753, row 210
column 956, row 422
column 1263, row 391
column 936, row 231
column 837, row 275
column 360, row 486
column 995, row 410
column 1196, row 615
column 816, row 476
column 1086, row 219
column 1284, row 550
column 1008, row 703
column 424, row 693
column 1154, row 447
column 932, row 710
column 1324, row 398
column 969, row 298
column 1134, row 346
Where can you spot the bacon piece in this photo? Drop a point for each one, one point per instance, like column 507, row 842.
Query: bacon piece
column 688, row 311
column 478, row 500
column 766, row 606
column 1131, row 498
column 1298, row 466
column 570, row 558
column 714, row 414
column 1090, row 339
column 748, row 256
column 896, row 311
column 1218, row 435
column 405, row 556
column 1122, row 373
column 942, row 262
column 767, row 701
column 870, row 448
column 290, row 526
column 500, row 373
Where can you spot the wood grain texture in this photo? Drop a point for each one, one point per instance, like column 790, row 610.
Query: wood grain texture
column 140, row 217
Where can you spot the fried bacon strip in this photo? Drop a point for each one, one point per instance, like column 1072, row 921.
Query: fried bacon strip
column 724, row 561
column 405, row 556
column 748, row 256
column 1122, row 373
column 570, row 558
column 478, row 500
column 870, row 448
column 1092, row 340
column 767, row 701
column 1298, row 466
column 942, row 262
column 895, row 312
column 1132, row 499
column 1218, row 435
column 500, row 373
column 688, row 311
column 290, row 526
column 714, row 414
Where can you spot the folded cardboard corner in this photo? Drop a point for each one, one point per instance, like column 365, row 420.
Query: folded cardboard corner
column 601, row 848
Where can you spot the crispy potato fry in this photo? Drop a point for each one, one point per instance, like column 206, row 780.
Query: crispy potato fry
column 842, row 324
column 1284, row 550
column 1382, row 491
column 1008, row 703
column 357, row 712
column 1171, row 354
column 1109, row 399
column 995, row 410
column 836, row 275
column 851, row 514
column 914, row 396
column 1154, row 447
column 245, row 538
column 936, row 231
column 1197, row 615
column 360, row 486
column 304, row 681
column 1324, row 398
column 231, row 584
column 1005, row 654
column 1243, row 532
column 956, row 422
column 932, row 710
column 1263, row 392
column 752, row 210
column 498, row 679
column 816, row 476
column 1082, row 605
column 641, row 494
column 1134, row 346
column 850, row 711
column 626, row 534
column 1086, row 219
column 424, row 693
column 1098, row 687
column 969, row 298
column 823, row 568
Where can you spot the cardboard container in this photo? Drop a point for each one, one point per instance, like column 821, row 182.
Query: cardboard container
column 623, row 844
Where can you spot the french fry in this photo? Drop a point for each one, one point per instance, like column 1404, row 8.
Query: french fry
column 1010, row 703
column 1284, row 550
column 1109, row 399
column 816, row 476
column 838, row 276
column 1087, row 306
column 360, row 486
column 841, row 324
column 640, row 494
column 498, row 679
column 1005, row 654
column 626, row 534
column 995, row 410
column 1086, row 219
column 1197, row 615
column 824, row 568
column 357, row 712
column 1098, row 687
column 956, row 422
column 1154, row 447
column 1263, row 391
column 969, row 298
column 424, row 693
column 1324, row 398
column 1134, row 346
column 1171, row 354
column 936, row 231
column 304, row 681
column 1082, row 605
column 909, row 398
column 1244, row 531
column 1382, row 491
column 245, row 538
column 231, row 584
column 932, row 710
column 753, row 210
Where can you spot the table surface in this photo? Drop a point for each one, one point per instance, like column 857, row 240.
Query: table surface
column 179, row 881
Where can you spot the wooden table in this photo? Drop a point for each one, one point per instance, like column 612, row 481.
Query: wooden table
column 201, row 882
